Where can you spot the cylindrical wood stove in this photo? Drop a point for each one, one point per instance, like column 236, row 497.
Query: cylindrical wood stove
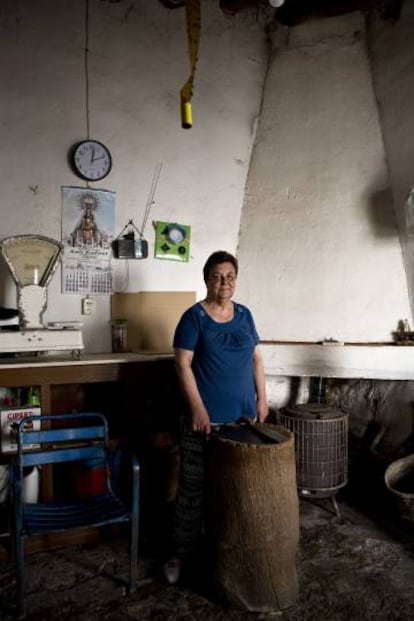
column 321, row 447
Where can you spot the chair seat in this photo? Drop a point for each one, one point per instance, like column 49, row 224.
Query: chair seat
column 53, row 517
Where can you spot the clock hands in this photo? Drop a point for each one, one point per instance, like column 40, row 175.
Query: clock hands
column 95, row 159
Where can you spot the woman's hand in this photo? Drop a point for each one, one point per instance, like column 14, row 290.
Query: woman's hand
column 200, row 421
column 262, row 410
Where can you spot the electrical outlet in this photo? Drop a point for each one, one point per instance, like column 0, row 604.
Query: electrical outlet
column 88, row 306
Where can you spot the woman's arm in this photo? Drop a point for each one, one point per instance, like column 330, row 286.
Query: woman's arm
column 260, row 383
column 200, row 420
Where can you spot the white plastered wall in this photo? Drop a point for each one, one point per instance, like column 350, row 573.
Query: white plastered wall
column 138, row 62
column 392, row 54
column 319, row 248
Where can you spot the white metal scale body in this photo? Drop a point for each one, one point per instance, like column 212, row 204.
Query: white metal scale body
column 32, row 261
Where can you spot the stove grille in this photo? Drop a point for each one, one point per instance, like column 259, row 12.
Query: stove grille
column 321, row 447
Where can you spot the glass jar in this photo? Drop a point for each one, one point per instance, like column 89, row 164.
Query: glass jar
column 119, row 335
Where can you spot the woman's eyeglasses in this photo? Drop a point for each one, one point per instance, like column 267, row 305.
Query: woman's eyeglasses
column 223, row 278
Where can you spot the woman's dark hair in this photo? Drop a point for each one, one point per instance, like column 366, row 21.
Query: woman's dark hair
column 220, row 256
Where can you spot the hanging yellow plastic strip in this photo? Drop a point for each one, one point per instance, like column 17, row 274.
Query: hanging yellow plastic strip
column 193, row 16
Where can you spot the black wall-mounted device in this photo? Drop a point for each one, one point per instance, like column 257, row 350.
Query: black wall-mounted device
column 128, row 246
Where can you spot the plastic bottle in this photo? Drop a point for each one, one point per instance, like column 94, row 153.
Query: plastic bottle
column 31, row 485
column 33, row 397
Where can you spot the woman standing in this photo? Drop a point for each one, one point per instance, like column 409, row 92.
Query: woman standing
column 220, row 371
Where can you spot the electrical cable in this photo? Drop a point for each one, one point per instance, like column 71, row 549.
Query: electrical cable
column 86, row 65
column 123, row 287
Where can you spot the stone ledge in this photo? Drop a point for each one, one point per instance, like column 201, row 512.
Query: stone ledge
column 369, row 361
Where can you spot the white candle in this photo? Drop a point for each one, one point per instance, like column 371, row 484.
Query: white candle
column 35, row 276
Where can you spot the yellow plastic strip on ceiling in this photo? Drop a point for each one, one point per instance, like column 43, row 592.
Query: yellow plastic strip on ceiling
column 193, row 16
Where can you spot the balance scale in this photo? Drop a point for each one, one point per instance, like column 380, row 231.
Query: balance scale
column 32, row 261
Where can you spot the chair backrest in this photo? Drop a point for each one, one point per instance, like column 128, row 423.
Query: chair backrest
column 77, row 437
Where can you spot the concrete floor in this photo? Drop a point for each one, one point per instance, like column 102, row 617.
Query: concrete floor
column 349, row 569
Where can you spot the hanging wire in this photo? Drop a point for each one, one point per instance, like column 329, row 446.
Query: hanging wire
column 150, row 200
column 86, row 65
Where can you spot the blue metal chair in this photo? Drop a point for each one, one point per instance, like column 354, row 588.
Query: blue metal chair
column 74, row 438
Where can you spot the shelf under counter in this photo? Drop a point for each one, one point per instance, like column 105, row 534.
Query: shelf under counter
column 47, row 370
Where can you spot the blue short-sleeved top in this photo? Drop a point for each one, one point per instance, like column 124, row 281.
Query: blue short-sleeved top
column 222, row 361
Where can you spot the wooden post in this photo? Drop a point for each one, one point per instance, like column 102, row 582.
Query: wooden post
column 46, row 492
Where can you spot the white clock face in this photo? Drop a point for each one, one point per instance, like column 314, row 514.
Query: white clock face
column 92, row 160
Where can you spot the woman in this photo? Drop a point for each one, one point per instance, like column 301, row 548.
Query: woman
column 220, row 371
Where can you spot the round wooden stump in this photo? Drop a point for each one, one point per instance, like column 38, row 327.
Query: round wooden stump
column 253, row 520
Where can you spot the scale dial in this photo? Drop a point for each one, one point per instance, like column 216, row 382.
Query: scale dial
column 32, row 259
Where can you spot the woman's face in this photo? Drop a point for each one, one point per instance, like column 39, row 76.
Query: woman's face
column 221, row 281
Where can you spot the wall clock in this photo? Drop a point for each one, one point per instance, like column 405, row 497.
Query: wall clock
column 91, row 160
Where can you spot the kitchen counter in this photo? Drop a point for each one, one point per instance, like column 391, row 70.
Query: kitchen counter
column 84, row 359
column 386, row 361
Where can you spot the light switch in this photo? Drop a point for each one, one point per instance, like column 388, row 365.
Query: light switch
column 88, row 306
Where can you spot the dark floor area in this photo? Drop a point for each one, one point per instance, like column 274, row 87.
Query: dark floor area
column 356, row 566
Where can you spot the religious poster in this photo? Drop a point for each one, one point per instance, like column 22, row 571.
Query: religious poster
column 88, row 229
